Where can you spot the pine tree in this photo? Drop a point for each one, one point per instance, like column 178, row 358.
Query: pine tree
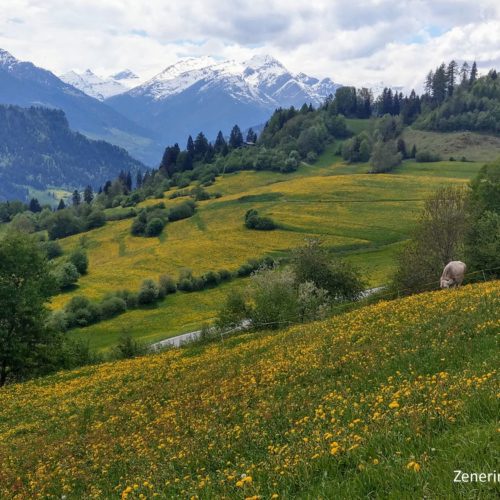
column 190, row 146
column 451, row 76
column 251, row 136
column 236, row 138
column 88, row 195
column 464, row 73
column 34, row 206
column 106, row 187
column 77, row 199
column 200, row 146
column 128, row 181
column 439, row 84
column 220, row 142
column 473, row 74
column 428, row 83
column 61, row 205
column 413, row 152
column 138, row 180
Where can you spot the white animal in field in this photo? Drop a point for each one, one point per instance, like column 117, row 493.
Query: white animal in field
column 453, row 274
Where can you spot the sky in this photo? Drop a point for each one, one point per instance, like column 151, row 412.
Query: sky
column 352, row 42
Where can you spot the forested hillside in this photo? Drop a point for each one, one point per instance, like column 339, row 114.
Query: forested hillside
column 38, row 150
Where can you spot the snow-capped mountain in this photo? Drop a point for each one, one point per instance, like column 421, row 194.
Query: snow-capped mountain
column 101, row 88
column 203, row 94
column 262, row 78
column 24, row 84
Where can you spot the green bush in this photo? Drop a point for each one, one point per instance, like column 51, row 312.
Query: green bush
column 80, row 260
column 112, row 306
column 52, row 248
column 148, row 293
column 66, row 275
column 128, row 348
column 275, row 299
column 233, row 311
column 254, row 221
column 312, row 263
column 130, row 298
column 154, row 227
column 183, row 211
column 427, row 157
column 166, row 285
column 211, row 279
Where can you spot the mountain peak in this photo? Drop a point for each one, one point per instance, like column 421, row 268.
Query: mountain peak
column 263, row 60
column 7, row 58
column 125, row 74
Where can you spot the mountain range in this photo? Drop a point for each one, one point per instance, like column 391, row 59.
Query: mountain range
column 101, row 88
column 24, row 84
column 193, row 95
column 201, row 94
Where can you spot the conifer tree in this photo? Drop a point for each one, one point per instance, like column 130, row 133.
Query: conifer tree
column 190, row 146
column 473, row 74
column 34, row 206
column 220, row 142
column 451, row 75
column 76, row 198
column 236, row 138
column 61, row 205
column 88, row 195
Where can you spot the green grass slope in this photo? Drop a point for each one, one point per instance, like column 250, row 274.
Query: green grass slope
column 362, row 217
column 474, row 146
column 382, row 402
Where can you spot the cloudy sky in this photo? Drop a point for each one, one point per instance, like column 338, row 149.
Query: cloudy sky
column 353, row 42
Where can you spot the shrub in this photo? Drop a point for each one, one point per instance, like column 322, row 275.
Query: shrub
column 426, row 157
column 53, row 249
column 211, row 279
column 66, row 275
column 275, row 298
column 138, row 227
column 113, row 306
column 183, row 211
column 313, row 302
column 254, row 221
column 128, row 347
column 95, row 218
column 233, row 311
column 312, row 263
column 311, row 157
column 80, row 260
column 130, row 298
column 225, row 275
column 154, row 227
column 148, row 293
column 80, row 311
column 166, row 285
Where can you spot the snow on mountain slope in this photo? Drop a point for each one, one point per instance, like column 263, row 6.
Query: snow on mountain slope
column 262, row 79
column 101, row 88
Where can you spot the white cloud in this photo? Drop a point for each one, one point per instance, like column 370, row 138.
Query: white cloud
column 351, row 42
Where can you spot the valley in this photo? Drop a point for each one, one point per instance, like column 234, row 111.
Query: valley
column 359, row 216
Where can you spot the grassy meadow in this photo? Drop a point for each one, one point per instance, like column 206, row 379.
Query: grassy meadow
column 360, row 216
column 381, row 402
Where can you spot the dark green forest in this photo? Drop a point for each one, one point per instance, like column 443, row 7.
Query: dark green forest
column 38, row 149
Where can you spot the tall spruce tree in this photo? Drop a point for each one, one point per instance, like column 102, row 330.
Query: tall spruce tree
column 190, row 146
column 34, row 206
column 473, row 74
column 88, row 194
column 236, row 138
column 76, row 198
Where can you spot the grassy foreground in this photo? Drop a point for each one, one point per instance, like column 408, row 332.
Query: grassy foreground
column 385, row 401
